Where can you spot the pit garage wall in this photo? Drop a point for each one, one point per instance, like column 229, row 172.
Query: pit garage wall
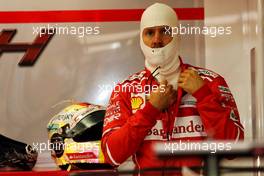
column 231, row 56
column 73, row 67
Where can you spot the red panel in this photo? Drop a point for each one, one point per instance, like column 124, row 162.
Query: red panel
column 90, row 15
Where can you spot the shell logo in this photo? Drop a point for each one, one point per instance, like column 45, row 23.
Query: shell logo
column 136, row 102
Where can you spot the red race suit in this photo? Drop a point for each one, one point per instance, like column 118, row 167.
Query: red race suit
column 132, row 124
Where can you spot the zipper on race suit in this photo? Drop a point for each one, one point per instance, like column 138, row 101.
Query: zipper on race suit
column 168, row 136
column 168, row 126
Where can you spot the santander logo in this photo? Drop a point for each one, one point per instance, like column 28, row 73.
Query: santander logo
column 189, row 126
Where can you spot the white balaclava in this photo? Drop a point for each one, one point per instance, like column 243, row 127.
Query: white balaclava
column 166, row 57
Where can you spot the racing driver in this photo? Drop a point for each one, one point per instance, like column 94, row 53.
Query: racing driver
column 167, row 101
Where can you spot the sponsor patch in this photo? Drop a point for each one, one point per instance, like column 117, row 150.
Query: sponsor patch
column 113, row 109
column 184, row 127
column 136, row 102
column 138, row 76
column 157, row 132
column 190, row 126
column 233, row 116
column 207, row 73
column 188, row 101
column 206, row 77
column 224, row 89
column 81, row 156
column 113, row 112
column 115, row 95
column 228, row 97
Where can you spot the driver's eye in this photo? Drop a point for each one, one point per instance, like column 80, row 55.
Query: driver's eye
column 149, row 32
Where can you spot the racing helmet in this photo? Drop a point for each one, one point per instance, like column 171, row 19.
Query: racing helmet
column 75, row 137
